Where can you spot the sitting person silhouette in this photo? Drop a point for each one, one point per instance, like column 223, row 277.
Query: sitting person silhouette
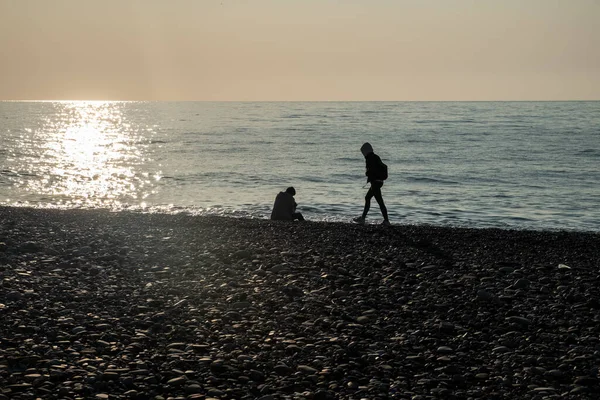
column 284, row 208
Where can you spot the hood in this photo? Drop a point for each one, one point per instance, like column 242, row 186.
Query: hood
column 366, row 149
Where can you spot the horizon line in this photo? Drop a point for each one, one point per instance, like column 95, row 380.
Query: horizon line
column 288, row 101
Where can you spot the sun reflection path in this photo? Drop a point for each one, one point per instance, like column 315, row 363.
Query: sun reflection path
column 95, row 156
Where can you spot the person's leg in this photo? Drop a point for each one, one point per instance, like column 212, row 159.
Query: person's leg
column 376, row 187
column 368, row 198
column 298, row 216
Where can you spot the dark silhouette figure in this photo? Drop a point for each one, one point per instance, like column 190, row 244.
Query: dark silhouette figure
column 376, row 174
column 285, row 205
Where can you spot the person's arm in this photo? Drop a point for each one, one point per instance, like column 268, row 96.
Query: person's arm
column 367, row 170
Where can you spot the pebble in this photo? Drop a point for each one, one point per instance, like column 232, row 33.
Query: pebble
column 519, row 320
column 544, row 389
column 586, row 381
column 14, row 296
column 283, row 369
column 521, row 284
column 446, row 327
column 445, row 350
column 280, row 269
column 485, row 295
column 501, row 349
column 307, row 370
column 240, row 305
column 177, row 381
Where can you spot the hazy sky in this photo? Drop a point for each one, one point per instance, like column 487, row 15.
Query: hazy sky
column 300, row 49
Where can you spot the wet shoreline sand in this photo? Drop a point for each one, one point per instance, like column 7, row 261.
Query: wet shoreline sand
column 121, row 305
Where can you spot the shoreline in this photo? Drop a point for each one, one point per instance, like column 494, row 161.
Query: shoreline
column 133, row 305
column 374, row 220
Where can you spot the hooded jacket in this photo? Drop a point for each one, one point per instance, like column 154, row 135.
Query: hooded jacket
column 284, row 207
column 375, row 168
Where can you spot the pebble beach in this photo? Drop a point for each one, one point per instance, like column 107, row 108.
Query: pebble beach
column 119, row 305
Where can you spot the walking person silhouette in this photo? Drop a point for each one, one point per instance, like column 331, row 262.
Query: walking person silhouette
column 376, row 173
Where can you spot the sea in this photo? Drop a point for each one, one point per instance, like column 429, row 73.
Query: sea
column 512, row 165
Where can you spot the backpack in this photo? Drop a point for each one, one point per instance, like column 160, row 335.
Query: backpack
column 384, row 171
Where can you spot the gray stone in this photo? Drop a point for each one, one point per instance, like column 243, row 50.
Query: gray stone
column 193, row 388
column 257, row 376
column 30, row 247
column 339, row 293
column 280, row 269
column 14, row 296
column 215, row 392
column 283, row 369
column 586, row 381
column 519, row 320
column 486, row 296
column 240, row 305
column 78, row 329
column 544, row 389
column 307, row 370
column 521, row 284
column 177, row 381
column 243, row 254
column 501, row 349
column 109, row 376
column 446, row 327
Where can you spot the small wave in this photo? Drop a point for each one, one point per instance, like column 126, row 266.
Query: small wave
column 303, row 129
column 511, row 126
column 296, row 116
column 344, row 177
column 351, row 159
column 431, row 180
column 263, row 141
column 8, row 172
column 415, row 140
column 447, row 121
column 371, row 112
column 316, row 179
column 589, row 152
column 519, row 219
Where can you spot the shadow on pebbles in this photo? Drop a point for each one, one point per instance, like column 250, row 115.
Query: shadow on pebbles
column 99, row 305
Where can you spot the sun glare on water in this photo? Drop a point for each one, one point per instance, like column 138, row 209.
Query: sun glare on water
column 91, row 156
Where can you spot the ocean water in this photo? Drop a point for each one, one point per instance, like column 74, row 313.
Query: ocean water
column 523, row 165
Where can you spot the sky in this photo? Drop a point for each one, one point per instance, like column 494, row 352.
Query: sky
column 300, row 50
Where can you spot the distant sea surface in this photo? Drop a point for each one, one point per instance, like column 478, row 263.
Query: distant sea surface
column 522, row 165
